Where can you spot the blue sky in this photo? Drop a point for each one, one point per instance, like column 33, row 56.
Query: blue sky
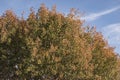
column 104, row 14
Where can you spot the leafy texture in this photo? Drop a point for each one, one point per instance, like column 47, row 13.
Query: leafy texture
column 51, row 46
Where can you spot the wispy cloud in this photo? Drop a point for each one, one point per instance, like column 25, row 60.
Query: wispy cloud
column 112, row 28
column 112, row 34
column 94, row 16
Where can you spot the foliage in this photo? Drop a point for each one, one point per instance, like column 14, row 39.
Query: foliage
column 51, row 46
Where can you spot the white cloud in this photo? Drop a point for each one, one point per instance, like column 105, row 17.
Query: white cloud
column 94, row 16
column 112, row 34
column 111, row 29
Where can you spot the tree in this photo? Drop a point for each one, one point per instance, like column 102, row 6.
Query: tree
column 51, row 46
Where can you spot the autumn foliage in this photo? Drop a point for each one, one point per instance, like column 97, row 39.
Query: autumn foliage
column 51, row 46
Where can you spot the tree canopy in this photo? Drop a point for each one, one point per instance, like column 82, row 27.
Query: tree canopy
column 49, row 45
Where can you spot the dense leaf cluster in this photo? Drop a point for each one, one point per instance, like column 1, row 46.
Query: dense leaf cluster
column 51, row 46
